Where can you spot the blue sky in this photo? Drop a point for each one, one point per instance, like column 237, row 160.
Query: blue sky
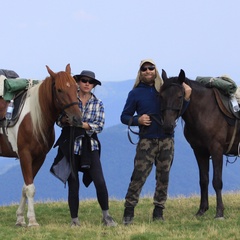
column 111, row 37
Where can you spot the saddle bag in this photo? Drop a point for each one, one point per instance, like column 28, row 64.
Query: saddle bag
column 224, row 83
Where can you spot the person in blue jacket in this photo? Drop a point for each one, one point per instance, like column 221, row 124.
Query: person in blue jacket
column 154, row 146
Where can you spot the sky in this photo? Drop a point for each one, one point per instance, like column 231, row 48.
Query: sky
column 111, row 37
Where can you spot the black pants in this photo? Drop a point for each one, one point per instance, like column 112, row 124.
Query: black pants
column 99, row 182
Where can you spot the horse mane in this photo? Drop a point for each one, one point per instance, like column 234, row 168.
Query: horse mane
column 38, row 122
column 169, row 82
column 174, row 80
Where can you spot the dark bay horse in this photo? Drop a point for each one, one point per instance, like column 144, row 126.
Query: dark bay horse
column 207, row 129
column 31, row 138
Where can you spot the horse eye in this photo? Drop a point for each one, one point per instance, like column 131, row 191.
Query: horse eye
column 59, row 90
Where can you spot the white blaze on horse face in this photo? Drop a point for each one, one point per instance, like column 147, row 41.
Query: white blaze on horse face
column 12, row 132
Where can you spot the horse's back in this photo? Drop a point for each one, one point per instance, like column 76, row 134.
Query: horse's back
column 206, row 126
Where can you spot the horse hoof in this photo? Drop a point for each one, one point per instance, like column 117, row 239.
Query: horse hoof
column 33, row 223
column 199, row 214
column 20, row 224
column 219, row 218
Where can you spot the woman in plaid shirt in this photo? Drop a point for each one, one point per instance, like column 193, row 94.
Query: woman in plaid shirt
column 87, row 148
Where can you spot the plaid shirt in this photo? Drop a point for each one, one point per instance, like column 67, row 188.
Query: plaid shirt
column 93, row 114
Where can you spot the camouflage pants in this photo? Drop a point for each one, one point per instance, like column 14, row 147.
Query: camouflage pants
column 151, row 151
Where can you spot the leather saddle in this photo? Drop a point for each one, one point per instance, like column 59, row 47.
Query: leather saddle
column 225, row 105
column 232, row 118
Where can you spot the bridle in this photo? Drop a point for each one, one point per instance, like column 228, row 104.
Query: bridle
column 62, row 108
column 178, row 107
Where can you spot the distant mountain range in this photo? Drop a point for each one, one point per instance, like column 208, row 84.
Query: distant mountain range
column 117, row 161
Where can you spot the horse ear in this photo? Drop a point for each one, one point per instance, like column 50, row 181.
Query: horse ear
column 181, row 76
column 52, row 74
column 164, row 75
column 68, row 69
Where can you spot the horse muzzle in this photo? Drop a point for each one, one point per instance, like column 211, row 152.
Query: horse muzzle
column 168, row 128
column 76, row 121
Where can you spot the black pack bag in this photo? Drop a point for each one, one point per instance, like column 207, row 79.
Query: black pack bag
column 8, row 73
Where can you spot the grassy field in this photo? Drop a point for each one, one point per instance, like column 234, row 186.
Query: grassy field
column 180, row 221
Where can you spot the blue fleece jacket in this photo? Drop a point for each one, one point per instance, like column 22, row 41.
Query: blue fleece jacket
column 144, row 99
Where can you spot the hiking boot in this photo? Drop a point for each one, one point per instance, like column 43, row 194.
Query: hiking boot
column 75, row 223
column 158, row 214
column 109, row 222
column 128, row 215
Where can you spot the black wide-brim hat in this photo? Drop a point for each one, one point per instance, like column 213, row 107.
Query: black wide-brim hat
column 86, row 73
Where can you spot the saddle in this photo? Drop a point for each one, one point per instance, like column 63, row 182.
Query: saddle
column 232, row 118
column 224, row 103
column 19, row 101
column 12, row 87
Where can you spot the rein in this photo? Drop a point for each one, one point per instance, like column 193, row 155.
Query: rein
column 175, row 108
column 69, row 105
column 64, row 107
column 159, row 122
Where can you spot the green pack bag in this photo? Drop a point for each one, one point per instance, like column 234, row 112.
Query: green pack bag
column 224, row 83
column 15, row 85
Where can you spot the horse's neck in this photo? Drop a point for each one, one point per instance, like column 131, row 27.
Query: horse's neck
column 200, row 101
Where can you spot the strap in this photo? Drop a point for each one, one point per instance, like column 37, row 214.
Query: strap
column 159, row 122
column 130, row 130
column 71, row 152
column 233, row 136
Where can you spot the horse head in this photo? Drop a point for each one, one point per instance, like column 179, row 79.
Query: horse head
column 65, row 95
column 171, row 98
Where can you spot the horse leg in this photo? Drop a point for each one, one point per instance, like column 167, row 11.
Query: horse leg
column 30, row 192
column 217, row 185
column 29, row 186
column 20, row 211
column 203, row 165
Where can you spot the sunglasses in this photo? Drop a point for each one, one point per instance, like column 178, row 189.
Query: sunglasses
column 144, row 69
column 90, row 81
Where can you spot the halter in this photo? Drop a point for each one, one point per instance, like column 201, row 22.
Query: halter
column 69, row 105
column 179, row 106
column 64, row 107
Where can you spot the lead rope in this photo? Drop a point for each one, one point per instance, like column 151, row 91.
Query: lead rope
column 71, row 152
column 235, row 156
column 160, row 122
column 130, row 130
column 233, row 137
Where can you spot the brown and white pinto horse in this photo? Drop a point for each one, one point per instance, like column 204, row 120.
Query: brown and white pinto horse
column 31, row 138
